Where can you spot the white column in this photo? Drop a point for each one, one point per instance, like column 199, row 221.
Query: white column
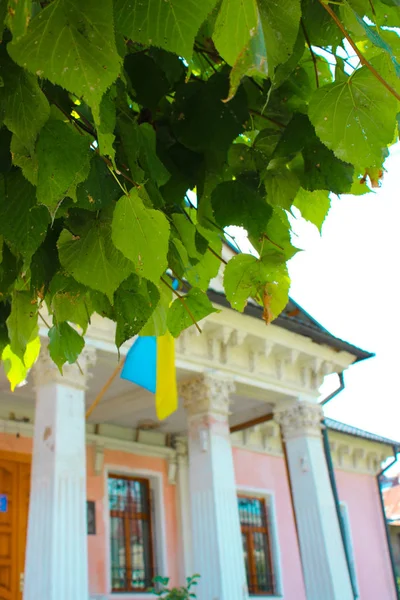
column 183, row 509
column 56, row 566
column 323, row 556
column 216, row 537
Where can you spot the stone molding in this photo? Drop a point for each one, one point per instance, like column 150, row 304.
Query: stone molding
column 205, row 394
column 302, row 419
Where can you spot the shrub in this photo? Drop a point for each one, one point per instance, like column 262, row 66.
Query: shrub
column 181, row 593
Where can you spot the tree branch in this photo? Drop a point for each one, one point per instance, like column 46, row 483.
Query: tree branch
column 362, row 58
column 313, row 57
column 181, row 298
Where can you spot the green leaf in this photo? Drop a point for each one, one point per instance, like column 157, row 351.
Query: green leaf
column 322, row 170
column 170, row 25
column 148, row 155
column 142, row 235
column 22, row 223
column 99, row 189
column 134, row 302
column 8, row 271
column 314, row 206
column 199, row 274
column 157, row 323
column 14, row 367
column 281, row 185
column 72, row 44
column 379, row 41
column 106, row 124
column 64, row 161
column 203, row 122
column 193, row 307
column 187, row 233
column 256, row 36
column 92, row 259
column 19, row 14
column 24, row 159
column 355, row 119
column 246, row 276
column 235, row 203
column 23, row 106
column 22, row 324
column 5, row 309
column 65, row 344
column 69, row 301
column 149, row 82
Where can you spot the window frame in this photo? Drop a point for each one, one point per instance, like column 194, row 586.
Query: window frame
column 156, row 481
column 141, row 516
column 268, row 498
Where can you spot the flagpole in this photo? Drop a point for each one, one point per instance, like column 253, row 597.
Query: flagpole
column 105, row 387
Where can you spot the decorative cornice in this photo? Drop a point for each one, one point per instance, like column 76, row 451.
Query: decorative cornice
column 302, row 419
column 45, row 371
column 206, row 394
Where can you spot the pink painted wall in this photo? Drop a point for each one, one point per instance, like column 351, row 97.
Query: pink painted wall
column 268, row 473
column 360, row 494
column 97, row 491
column 13, row 443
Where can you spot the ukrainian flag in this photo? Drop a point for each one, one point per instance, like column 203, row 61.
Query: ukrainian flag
column 150, row 363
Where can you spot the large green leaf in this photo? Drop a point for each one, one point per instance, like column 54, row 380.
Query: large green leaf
column 22, row 324
column 148, row 155
column 22, row 223
column 355, row 118
column 134, row 301
column 19, row 14
column 192, row 307
column 65, row 344
column 142, row 235
column 171, row 25
column 92, row 259
column 157, row 323
column 203, row 122
column 314, row 206
column 281, row 185
column 264, row 279
column 107, row 120
column 64, row 161
column 72, row 44
column 256, row 36
column 25, row 159
column 100, row 187
column 23, row 106
column 69, row 301
column 235, row 203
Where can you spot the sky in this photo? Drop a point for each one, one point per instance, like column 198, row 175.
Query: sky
column 348, row 279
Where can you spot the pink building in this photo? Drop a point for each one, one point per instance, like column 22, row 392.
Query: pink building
column 244, row 484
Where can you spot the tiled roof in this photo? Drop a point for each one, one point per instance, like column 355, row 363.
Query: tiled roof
column 350, row 430
column 391, row 499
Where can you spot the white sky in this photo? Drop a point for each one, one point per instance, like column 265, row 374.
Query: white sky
column 348, row 280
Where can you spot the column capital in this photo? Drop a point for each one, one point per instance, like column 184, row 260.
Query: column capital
column 302, row 419
column 45, row 371
column 206, row 393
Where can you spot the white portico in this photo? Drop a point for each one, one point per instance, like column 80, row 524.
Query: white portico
column 237, row 371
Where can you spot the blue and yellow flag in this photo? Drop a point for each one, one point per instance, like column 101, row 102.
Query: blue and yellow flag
column 150, row 363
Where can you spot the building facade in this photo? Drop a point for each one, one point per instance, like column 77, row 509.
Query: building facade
column 246, row 484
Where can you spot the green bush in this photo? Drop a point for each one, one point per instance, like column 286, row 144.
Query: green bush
column 182, row 593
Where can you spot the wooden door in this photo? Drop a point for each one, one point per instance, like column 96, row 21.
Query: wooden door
column 14, row 484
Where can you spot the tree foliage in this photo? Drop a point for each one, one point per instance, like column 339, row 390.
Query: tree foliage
column 133, row 133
